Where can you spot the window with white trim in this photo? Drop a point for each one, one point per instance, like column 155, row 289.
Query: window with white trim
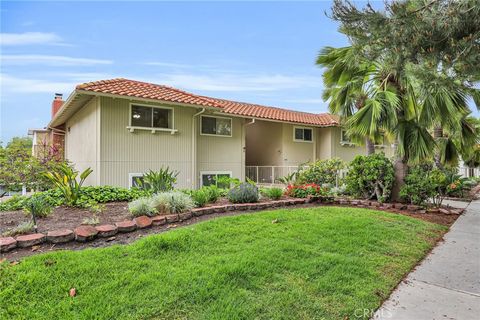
column 302, row 134
column 211, row 178
column 151, row 117
column 135, row 180
column 216, row 126
column 344, row 138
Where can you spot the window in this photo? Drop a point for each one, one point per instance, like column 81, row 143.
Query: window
column 345, row 138
column 217, row 126
column 302, row 134
column 151, row 117
column 211, row 178
column 381, row 141
column 135, row 179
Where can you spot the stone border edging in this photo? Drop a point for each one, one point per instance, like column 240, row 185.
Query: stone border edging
column 84, row 233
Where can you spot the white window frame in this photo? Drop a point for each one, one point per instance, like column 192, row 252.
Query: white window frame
column 303, row 128
column 133, row 175
column 216, row 135
column 383, row 144
column 213, row 172
column 345, row 142
column 152, row 129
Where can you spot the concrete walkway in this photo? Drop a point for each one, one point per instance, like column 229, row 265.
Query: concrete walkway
column 447, row 283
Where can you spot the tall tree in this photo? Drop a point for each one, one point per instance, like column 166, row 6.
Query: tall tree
column 427, row 50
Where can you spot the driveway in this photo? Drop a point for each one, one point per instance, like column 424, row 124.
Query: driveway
column 447, row 283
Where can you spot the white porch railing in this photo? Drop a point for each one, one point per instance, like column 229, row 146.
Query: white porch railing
column 468, row 172
column 269, row 174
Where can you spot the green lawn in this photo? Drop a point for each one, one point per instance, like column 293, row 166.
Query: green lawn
column 318, row 263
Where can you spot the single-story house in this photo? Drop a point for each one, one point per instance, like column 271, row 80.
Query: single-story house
column 122, row 128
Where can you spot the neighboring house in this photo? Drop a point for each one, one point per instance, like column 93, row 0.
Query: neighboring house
column 122, row 128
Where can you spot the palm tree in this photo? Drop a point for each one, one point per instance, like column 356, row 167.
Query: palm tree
column 373, row 97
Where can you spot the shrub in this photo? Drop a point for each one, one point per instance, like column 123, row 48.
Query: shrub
column 14, row 203
column 370, row 177
column 272, row 193
column 172, row 202
column 37, row 206
column 162, row 180
column 423, row 182
column 199, row 197
column 66, row 181
column 142, row 207
column 321, row 172
column 305, row 190
column 22, row 228
column 243, row 193
column 212, row 192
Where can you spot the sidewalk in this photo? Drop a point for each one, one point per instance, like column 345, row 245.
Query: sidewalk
column 447, row 283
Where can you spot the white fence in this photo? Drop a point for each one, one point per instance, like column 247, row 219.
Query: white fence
column 468, row 172
column 269, row 174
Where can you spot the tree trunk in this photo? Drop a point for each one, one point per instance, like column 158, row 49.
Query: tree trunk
column 370, row 146
column 437, row 135
column 400, row 167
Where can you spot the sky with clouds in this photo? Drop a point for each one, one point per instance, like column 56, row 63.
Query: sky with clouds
column 261, row 52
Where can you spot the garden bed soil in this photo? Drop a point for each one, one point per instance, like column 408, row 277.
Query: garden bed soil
column 115, row 212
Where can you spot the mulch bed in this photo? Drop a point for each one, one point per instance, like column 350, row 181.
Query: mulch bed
column 70, row 218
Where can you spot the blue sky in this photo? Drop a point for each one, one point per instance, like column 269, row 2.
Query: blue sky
column 260, row 52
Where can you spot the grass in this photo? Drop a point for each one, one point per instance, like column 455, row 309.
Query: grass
column 318, row 263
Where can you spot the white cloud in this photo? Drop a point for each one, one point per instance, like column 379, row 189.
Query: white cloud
column 306, row 101
column 28, row 38
column 50, row 60
column 238, row 82
column 10, row 84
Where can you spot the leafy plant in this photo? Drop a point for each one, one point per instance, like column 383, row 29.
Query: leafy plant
column 273, row 193
column 243, row 193
column 172, row 202
column 22, row 228
column 92, row 221
column 305, row 190
column 66, row 181
column 16, row 202
column 37, row 206
column 158, row 181
column 370, row 177
column 212, row 192
column 321, row 172
column 199, row 197
column 288, row 179
column 142, row 207
column 226, row 182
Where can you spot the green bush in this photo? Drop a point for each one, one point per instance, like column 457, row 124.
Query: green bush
column 243, row 193
column 142, row 207
column 162, row 180
column 321, row 172
column 370, row 177
column 14, row 203
column 38, row 207
column 272, row 193
column 172, row 202
column 199, row 197
column 22, row 228
column 423, row 182
column 212, row 192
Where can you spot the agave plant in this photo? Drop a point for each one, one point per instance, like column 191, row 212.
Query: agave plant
column 66, row 181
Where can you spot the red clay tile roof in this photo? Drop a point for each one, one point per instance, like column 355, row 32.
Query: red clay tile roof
column 146, row 90
column 273, row 113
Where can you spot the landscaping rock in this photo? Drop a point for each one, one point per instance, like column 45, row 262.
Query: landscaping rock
column 433, row 210
column 412, row 207
column 143, row 222
column 400, row 206
column 252, row 206
column 159, row 220
column 375, row 204
column 241, row 206
column 299, row 201
column 185, row 216
column 30, row 240
column 106, row 230
column 85, row 233
column 126, row 226
column 343, row 201
column 197, row 212
column 172, row 218
column 444, row 211
column 387, row 205
column 218, row 209
column 208, row 210
column 60, row 236
column 354, row 202
column 230, row 207
column 7, row 244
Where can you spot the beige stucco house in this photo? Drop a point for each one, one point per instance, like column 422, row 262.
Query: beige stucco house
column 122, row 128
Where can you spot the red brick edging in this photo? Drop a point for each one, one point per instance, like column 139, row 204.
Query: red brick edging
column 86, row 233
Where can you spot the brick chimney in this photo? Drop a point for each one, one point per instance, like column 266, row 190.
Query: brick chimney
column 57, row 103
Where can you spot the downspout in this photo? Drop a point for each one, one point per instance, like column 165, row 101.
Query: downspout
column 194, row 147
column 245, row 146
